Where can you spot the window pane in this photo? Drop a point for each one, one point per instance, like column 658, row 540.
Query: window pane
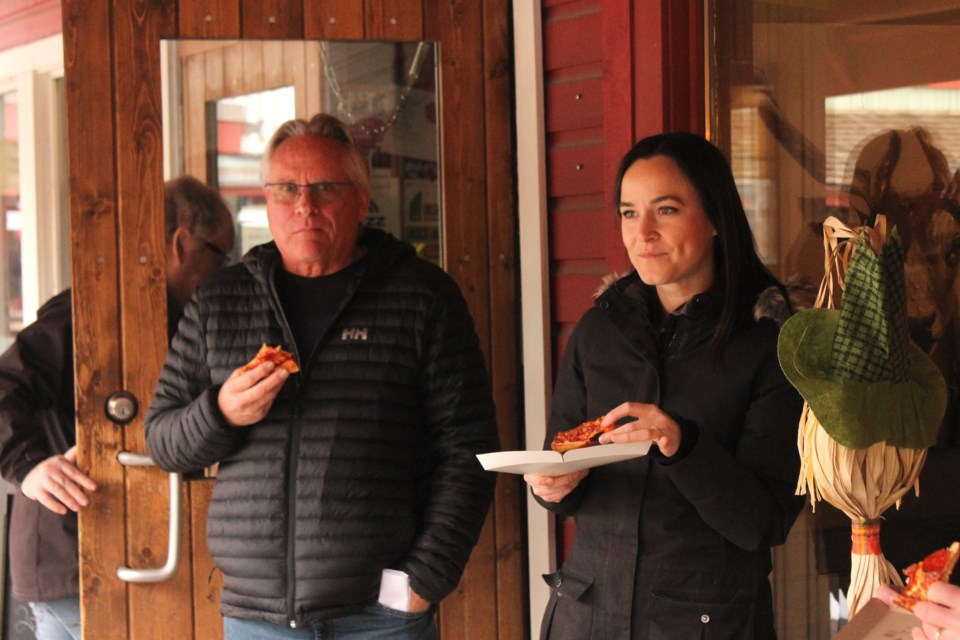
column 11, row 303
column 851, row 109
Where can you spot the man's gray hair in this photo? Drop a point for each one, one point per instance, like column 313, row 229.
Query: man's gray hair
column 321, row 125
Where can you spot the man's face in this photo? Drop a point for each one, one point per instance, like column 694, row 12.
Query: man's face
column 315, row 228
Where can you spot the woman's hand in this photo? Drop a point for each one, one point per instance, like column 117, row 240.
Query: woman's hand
column 940, row 613
column 651, row 424
column 554, row 488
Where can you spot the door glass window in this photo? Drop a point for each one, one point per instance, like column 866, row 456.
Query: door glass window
column 384, row 91
column 851, row 109
column 11, row 298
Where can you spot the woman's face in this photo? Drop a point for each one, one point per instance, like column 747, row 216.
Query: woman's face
column 666, row 231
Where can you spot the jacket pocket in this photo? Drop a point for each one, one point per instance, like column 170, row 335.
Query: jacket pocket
column 569, row 610
column 693, row 616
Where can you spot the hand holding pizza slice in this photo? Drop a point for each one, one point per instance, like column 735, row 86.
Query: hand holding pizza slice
column 586, row 434
column 921, row 576
column 276, row 355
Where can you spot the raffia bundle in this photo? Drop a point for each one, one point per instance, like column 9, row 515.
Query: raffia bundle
column 862, row 466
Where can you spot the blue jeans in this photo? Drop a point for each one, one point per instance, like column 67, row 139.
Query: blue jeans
column 57, row 619
column 375, row 623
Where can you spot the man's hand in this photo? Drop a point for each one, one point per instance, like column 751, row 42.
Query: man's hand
column 417, row 604
column 246, row 396
column 57, row 484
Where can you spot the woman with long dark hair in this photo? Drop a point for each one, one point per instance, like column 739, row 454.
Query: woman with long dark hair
column 682, row 352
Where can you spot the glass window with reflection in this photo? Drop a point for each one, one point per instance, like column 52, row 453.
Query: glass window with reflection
column 385, row 91
column 849, row 110
column 11, row 298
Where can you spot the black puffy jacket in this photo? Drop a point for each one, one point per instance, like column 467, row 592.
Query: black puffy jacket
column 366, row 459
column 671, row 549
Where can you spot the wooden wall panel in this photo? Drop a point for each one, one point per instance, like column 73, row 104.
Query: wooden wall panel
column 572, row 35
column 333, row 20
column 467, row 613
column 508, row 516
column 194, row 114
column 209, row 19
column 207, row 578
column 573, row 228
column 266, row 19
column 253, row 71
column 273, row 63
column 139, row 163
column 575, row 100
column 87, row 48
column 576, row 164
column 395, row 20
column 619, row 102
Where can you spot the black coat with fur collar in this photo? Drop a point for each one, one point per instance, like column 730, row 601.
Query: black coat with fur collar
column 685, row 541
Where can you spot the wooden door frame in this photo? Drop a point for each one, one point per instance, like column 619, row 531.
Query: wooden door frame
column 115, row 159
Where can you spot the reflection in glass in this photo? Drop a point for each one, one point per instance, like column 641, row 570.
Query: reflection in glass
column 11, row 298
column 385, row 91
column 851, row 110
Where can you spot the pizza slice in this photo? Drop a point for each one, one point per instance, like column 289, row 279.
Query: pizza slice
column 583, row 435
column 276, row 355
column 920, row 577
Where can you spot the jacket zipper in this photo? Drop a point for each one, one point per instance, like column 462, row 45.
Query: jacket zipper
column 292, row 510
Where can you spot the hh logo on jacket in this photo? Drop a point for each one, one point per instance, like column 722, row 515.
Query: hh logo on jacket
column 354, row 334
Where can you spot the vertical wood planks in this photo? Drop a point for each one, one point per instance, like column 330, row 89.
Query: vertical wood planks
column 87, row 49
column 459, row 28
column 333, row 20
column 510, row 596
column 266, row 19
column 395, row 20
column 209, row 19
column 139, row 163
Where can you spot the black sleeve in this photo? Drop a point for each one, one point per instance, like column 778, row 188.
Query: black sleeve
column 37, row 418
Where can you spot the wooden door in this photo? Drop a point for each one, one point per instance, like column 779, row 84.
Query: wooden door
column 115, row 155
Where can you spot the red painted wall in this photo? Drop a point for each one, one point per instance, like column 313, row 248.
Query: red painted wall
column 614, row 72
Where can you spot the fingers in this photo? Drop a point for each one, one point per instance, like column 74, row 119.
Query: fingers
column 58, row 485
column 941, row 614
column 651, row 424
column 417, row 603
column 887, row 593
column 246, row 397
column 554, row 488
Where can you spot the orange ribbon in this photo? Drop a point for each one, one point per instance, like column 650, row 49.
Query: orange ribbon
column 866, row 538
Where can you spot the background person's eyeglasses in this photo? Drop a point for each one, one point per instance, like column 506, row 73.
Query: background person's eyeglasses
column 223, row 258
column 289, row 192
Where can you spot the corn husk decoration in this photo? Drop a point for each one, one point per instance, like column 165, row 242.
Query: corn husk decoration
column 874, row 400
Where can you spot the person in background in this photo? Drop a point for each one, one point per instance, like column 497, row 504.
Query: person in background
column 348, row 496
column 38, row 451
column 681, row 352
column 940, row 613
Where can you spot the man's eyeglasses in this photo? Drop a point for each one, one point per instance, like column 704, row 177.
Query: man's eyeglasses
column 323, row 192
column 223, row 258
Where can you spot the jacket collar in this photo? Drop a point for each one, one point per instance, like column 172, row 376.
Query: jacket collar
column 382, row 252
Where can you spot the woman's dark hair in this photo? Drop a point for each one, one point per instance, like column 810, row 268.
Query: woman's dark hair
column 738, row 267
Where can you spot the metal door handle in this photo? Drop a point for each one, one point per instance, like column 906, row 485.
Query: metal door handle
column 173, row 551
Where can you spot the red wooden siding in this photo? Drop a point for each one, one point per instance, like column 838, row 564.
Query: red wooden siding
column 614, row 71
